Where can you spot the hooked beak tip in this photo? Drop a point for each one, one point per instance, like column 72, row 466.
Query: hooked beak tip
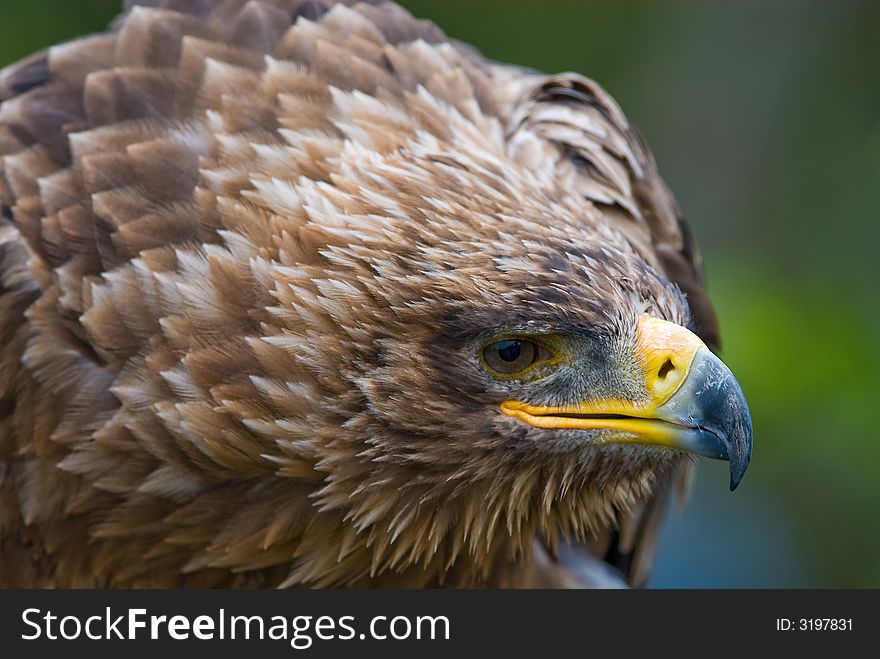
column 712, row 403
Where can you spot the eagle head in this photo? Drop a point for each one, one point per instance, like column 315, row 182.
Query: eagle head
column 496, row 360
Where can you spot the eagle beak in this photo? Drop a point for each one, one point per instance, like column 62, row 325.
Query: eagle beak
column 694, row 403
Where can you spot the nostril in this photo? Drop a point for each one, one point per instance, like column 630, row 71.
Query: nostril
column 667, row 367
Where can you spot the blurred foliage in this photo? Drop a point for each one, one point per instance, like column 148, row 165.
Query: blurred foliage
column 765, row 120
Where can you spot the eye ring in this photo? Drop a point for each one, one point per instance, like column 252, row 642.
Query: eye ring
column 513, row 356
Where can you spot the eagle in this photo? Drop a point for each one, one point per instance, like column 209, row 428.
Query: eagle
column 298, row 293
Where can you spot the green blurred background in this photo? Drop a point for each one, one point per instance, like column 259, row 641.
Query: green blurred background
column 765, row 120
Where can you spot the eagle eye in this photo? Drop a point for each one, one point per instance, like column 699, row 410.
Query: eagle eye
column 514, row 356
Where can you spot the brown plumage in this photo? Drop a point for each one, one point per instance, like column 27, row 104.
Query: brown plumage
column 247, row 251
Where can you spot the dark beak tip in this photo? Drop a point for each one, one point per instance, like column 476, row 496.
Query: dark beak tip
column 739, row 463
column 726, row 414
column 735, row 480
